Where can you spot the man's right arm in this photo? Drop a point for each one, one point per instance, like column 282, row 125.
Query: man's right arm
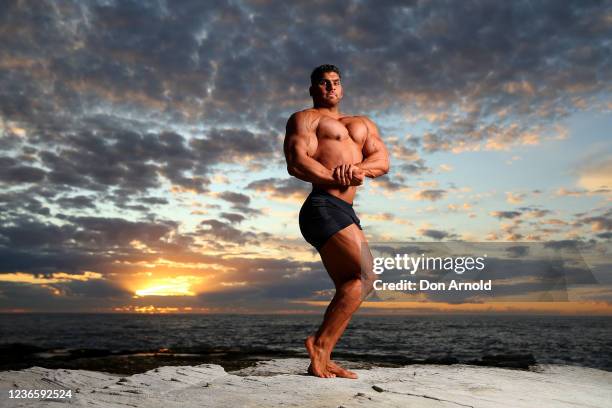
column 299, row 139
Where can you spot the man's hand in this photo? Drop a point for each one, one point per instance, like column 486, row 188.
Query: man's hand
column 349, row 175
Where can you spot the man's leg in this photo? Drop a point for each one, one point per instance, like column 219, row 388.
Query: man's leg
column 341, row 256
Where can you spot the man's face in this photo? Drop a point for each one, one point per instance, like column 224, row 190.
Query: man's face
column 329, row 89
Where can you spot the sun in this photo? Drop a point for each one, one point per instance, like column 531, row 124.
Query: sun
column 174, row 286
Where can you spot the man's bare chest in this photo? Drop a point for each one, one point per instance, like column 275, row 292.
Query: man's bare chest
column 349, row 129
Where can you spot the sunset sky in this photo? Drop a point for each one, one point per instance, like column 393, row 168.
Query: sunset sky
column 141, row 163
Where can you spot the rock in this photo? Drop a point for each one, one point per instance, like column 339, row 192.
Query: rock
column 283, row 382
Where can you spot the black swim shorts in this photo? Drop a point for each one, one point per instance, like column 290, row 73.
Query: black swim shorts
column 322, row 215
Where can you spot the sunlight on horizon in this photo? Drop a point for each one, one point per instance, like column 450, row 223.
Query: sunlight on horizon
column 174, row 286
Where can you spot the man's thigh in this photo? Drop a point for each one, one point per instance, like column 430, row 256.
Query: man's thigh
column 342, row 254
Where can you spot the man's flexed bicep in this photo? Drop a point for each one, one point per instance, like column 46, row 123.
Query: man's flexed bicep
column 300, row 140
column 375, row 155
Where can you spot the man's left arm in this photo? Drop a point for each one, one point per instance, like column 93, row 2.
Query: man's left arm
column 375, row 155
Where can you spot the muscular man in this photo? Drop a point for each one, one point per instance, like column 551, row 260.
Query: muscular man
column 334, row 152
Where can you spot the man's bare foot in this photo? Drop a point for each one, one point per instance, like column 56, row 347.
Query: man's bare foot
column 336, row 369
column 318, row 363
column 340, row 371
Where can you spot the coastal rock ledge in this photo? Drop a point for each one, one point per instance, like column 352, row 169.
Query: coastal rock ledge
column 283, row 383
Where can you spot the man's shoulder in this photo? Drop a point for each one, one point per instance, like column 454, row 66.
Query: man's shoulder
column 364, row 118
column 304, row 117
column 305, row 113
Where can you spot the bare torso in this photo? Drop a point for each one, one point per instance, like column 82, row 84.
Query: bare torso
column 339, row 140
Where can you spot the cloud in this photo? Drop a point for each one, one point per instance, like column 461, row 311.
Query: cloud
column 234, row 218
column 533, row 212
column 518, row 250
column 407, row 157
column 436, row 234
column 416, row 167
column 281, row 189
column 490, row 61
column 219, row 230
column 12, row 172
column 563, row 244
column 391, row 183
column 67, row 297
column 82, row 243
column 582, row 192
column 54, row 277
column 235, row 198
column 431, row 195
column 140, row 163
column 232, row 145
column 505, row 214
column 596, row 174
column 383, row 217
column 469, row 135
column 240, row 202
column 513, row 198
column 599, row 224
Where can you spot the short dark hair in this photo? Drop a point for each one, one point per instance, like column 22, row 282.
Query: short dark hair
column 318, row 72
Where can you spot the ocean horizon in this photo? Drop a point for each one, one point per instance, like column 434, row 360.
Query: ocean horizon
column 129, row 343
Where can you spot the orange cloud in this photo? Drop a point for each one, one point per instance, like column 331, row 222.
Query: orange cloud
column 51, row 278
column 513, row 198
column 597, row 175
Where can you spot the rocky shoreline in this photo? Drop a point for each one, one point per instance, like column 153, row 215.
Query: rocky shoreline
column 17, row 356
column 282, row 382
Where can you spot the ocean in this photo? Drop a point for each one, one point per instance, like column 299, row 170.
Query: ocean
column 129, row 343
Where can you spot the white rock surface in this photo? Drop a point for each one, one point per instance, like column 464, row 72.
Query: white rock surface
column 283, row 383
